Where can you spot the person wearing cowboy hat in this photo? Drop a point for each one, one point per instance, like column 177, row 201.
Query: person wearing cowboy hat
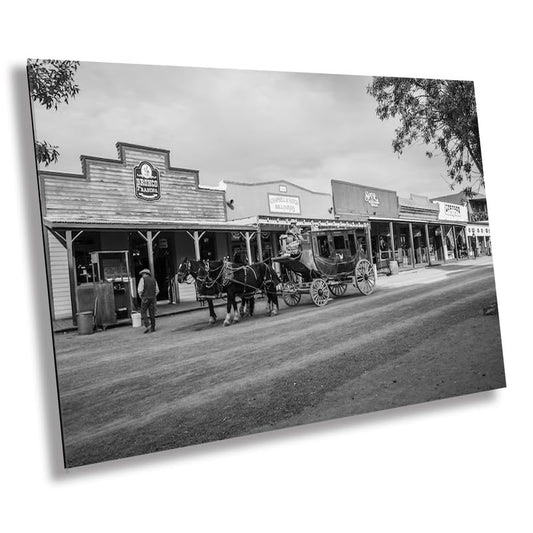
column 148, row 291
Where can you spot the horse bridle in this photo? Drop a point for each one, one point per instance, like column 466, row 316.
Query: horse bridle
column 187, row 265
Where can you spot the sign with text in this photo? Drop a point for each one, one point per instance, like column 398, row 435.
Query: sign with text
column 287, row 205
column 448, row 211
column 353, row 201
column 146, row 180
column 372, row 198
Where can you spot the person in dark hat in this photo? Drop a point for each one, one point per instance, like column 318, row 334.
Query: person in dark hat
column 148, row 291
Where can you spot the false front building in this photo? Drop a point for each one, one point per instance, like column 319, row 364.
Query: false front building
column 122, row 215
column 271, row 206
column 412, row 231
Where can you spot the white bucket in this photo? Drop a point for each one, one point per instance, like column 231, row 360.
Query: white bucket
column 136, row 320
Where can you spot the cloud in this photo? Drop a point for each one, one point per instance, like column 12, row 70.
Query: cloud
column 235, row 124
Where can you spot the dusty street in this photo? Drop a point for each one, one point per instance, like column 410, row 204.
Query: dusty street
column 421, row 336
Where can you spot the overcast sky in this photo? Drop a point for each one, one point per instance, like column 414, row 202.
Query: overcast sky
column 239, row 125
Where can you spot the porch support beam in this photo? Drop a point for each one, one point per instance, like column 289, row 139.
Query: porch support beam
column 455, row 243
column 391, row 231
column 259, row 245
column 412, row 245
column 149, row 246
column 196, row 236
column 247, row 237
column 444, row 247
column 426, row 231
column 72, row 275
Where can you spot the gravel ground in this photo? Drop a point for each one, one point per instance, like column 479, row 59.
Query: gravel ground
column 421, row 336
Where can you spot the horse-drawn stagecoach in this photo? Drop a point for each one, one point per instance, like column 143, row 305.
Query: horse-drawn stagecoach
column 324, row 262
column 316, row 262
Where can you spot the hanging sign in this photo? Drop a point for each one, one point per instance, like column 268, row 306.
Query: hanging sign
column 146, row 181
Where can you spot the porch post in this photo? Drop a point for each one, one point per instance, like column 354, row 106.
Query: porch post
column 275, row 244
column 412, row 245
column 444, row 247
column 391, row 231
column 426, row 229
column 368, row 242
column 196, row 238
column 259, row 245
column 149, row 247
column 248, row 248
column 468, row 247
column 72, row 275
column 455, row 243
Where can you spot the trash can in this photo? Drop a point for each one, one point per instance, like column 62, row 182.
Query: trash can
column 393, row 266
column 136, row 320
column 85, row 323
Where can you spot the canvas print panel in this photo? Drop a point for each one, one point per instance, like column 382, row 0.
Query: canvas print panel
column 230, row 252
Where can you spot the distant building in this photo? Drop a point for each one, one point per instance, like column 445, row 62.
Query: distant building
column 477, row 229
column 271, row 206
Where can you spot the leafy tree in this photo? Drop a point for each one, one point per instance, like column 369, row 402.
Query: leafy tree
column 51, row 83
column 441, row 114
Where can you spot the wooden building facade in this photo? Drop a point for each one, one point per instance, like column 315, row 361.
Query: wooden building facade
column 129, row 213
column 412, row 231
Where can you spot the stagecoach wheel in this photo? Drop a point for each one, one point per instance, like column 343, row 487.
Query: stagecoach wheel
column 365, row 278
column 290, row 294
column 319, row 292
column 338, row 289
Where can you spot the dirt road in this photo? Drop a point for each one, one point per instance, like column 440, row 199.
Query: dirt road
column 419, row 337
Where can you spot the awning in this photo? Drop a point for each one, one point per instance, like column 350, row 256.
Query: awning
column 414, row 221
column 281, row 223
column 144, row 224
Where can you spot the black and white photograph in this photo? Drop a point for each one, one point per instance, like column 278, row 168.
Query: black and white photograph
column 266, row 266
column 230, row 252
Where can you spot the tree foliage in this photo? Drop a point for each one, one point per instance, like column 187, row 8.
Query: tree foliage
column 439, row 113
column 51, row 83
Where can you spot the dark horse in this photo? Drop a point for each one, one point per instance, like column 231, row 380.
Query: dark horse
column 208, row 277
column 244, row 281
column 190, row 267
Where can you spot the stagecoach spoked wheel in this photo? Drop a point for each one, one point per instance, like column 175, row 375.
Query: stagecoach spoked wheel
column 365, row 277
column 337, row 289
column 319, row 292
column 290, row 293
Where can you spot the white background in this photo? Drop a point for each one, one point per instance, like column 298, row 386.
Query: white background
column 462, row 464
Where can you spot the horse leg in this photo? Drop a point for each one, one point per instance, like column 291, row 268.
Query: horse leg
column 273, row 299
column 237, row 315
column 268, row 305
column 275, row 306
column 230, row 297
column 242, row 306
column 252, row 305
column 212, row 314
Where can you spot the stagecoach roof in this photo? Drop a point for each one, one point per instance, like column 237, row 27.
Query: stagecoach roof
column 139, row 223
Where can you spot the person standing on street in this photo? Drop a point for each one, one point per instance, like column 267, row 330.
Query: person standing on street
column 148, row 291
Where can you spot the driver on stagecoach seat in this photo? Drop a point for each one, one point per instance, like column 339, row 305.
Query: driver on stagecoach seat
column 292, row 240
